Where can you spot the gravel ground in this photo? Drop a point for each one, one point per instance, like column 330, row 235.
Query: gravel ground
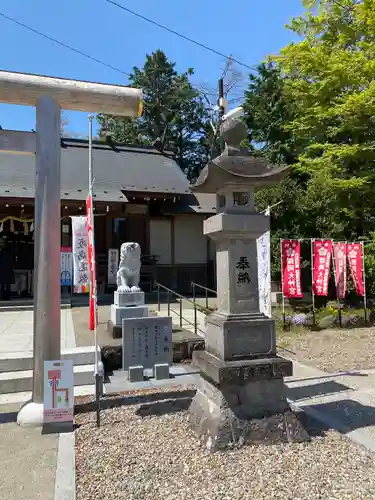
column 333, row 350
column 146, row 451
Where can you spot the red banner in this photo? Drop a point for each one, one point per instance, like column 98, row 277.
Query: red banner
column 355, row 257
column 322, row 254
column 291, row 268
column 339, row 254
column 91, row 259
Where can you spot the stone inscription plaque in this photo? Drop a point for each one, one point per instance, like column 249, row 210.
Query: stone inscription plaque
column 147, row 341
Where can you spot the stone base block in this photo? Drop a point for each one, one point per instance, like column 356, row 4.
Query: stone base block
column 240, row 372
column 254, row 412
column 124, row 299
column 240, row 336
column 161, row 371
column 120, row 313
column 31, row 415
column 135, row 373
column 115, row 331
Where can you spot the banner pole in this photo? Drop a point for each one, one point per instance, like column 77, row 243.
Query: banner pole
column 93, row 289
column 336, row 283
column 282, row 283
column 312, row 240
column 364, row 281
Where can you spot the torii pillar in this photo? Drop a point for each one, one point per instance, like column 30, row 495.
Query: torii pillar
column 50, row 95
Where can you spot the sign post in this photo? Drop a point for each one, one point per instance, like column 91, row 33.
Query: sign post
column 58, row 404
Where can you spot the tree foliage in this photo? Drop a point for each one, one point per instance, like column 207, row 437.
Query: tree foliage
column 329, row 80
column 175, row 117
column 313, row 107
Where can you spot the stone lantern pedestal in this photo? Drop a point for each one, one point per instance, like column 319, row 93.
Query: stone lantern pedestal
column 241, row 395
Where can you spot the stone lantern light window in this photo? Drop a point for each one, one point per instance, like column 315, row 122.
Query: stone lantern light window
column 221, row 200
column 240, row 199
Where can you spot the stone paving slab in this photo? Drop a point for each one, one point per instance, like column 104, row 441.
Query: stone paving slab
column 27, row 459
column 16, row 331
column 179, row 375
column 343, row 401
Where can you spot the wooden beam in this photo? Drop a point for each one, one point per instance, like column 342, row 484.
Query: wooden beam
column 14, row 141
column 26, row 89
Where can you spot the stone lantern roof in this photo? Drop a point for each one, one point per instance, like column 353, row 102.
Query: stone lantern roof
column 236, row 165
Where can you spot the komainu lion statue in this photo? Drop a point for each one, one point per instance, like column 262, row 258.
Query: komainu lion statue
column 127, row 277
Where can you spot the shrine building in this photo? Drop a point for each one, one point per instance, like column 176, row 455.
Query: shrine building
column 140, row 195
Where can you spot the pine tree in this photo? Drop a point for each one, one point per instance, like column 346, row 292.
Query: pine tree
column 175, row 118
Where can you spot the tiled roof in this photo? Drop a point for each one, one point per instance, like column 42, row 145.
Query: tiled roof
column 200, row 203
column 116, row 169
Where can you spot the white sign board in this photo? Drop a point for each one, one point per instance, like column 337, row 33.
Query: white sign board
column 81, row 274
column 264, row 272
column 113, row 257
column 66, row 266
column 58, row 391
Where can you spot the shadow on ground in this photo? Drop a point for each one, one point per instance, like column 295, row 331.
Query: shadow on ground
column 313, row 390
column 349, row 415
column 7, row 418
column 117, row 400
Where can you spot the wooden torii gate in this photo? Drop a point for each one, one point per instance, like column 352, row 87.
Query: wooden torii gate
column 49, row 95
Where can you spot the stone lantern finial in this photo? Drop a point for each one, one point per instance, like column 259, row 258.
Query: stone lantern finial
column 236, row 164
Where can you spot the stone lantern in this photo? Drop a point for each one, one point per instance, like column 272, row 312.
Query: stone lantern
column 240, row 392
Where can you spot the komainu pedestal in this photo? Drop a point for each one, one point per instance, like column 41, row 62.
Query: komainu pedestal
column 241, row 396
column 129, row 300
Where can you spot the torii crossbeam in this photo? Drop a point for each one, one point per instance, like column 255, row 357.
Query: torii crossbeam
column 49, row 95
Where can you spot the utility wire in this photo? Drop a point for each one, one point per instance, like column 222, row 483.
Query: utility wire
column 80, row 52
column 66, row 46
column 191, row 40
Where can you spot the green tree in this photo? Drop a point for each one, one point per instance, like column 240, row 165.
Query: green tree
column 174, row 118
column 330, row 84
column 267, row 109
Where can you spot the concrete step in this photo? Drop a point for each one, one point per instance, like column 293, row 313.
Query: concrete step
column 21, row 361
column 22, row 397
column 188, row 318
column 22, row 381
column 7, row 306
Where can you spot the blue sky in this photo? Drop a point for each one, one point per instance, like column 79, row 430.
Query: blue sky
column 252, row 30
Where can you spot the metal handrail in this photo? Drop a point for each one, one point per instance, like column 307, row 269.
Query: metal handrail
column 181, row 297
column 193, row 284
column 195, row 324
column 159, row 285
column 206, row 289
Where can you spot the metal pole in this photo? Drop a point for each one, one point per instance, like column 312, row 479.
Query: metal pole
column 92, row 282
column 364, row 281
column 312, row 279
column 195, row 320
column 47, row 227
column 93, row 285
column 180, row 313
column 282, row 283
column 158, row 298
column 169, row 304
column 193, row 286
column 222, row 109
column 336, row 283
column 206, row 298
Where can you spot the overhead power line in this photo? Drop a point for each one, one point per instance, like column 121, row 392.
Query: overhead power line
column 191, row 40
column 66, row 46
column 84, row 54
